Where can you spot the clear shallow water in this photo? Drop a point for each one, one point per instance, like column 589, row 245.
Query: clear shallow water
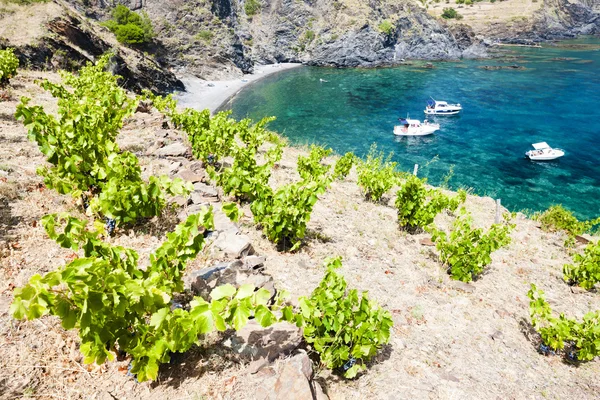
column 505, row 111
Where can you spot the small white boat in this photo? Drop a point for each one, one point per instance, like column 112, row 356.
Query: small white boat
column 435, row 107
column 413, row 127
column 543, row 152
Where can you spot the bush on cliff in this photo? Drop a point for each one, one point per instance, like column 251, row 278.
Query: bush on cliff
column 130, row 27
column 451, row 13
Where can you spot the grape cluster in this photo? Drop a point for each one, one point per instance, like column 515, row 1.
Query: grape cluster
column 545, row 350
column 110, row 225
column 85, row 202
column 349, row 364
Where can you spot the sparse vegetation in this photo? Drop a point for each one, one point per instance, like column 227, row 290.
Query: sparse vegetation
column 558, row 218
column 468, row 250
column 386, row 27
column 578, row 341
column 585, row 271
column 377, row 174
column 450, row 13
column 252, row 7
column 345, row 328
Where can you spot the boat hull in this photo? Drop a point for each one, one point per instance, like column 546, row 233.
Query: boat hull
column 423, row 131
column 544, row 157
column 438, row 112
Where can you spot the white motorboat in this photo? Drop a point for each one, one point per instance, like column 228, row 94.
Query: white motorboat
column 435, row 107
column 543, row 152
column 413, row 127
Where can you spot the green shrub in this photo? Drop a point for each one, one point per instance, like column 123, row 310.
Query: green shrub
column 252, row 7
column 81, row 148
column 119, row 306
column 586, row 271
column 130, row 27
column 312, row 167
column 386, row 27
column 466, row 250
column 285, row 213
column 345, row 328
column 450, row 13
column 377, row 174
column 8, row 65
column 343, row 165
column 206, row 36
column 558, row 218
column 579, row 341
column 417, row 205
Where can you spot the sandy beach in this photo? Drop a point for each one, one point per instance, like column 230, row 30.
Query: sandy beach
column 203, row 94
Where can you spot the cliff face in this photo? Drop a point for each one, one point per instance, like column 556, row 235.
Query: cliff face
column 567, row 18
column 54, row 36
column 214, row 38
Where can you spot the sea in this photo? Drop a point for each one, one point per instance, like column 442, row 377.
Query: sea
column 526, row 95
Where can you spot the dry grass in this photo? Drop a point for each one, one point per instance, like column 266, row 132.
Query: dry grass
column 448, row 341
column 486, row 17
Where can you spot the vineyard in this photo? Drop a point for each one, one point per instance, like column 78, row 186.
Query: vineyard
column 399, row 287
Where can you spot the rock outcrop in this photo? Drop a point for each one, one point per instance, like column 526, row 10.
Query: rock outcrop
column 559, row 19
column 67, row 40
column 223, row 38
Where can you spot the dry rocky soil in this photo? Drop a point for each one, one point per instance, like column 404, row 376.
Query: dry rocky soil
column 449, row 341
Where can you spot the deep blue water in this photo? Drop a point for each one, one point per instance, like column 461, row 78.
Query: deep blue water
column 505, row 111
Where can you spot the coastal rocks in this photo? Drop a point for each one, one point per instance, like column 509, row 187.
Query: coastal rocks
column 416, row 36
column 559, row 19
column 364, row 48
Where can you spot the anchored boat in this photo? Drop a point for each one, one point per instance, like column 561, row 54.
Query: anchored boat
column 413, row 127
column 435, row 107
column 543, row 152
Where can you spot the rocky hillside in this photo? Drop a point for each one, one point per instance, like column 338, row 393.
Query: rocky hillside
column 216, row 38
column 220, row 39
column 53, row 35
column 450, row 340
column 523, row 21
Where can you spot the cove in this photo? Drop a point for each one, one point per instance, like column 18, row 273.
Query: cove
column 556, row 99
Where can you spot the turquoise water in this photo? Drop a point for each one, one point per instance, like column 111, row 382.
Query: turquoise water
column 505, row 111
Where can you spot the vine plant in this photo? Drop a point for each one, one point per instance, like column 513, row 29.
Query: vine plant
column 466, row 250
column 418, row 205
column 81, row 148
column 116, row 305
column 579, row 341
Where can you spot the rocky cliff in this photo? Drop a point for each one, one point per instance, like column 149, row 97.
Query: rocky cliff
column 55, row 36
column 560, row 19
column 214, row 38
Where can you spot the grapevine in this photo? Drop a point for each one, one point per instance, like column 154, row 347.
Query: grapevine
column 118, row 306
column 467, row 250
column 417, row 205
column 579, row 341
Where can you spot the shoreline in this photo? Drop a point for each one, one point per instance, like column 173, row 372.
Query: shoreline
column 212, row 95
